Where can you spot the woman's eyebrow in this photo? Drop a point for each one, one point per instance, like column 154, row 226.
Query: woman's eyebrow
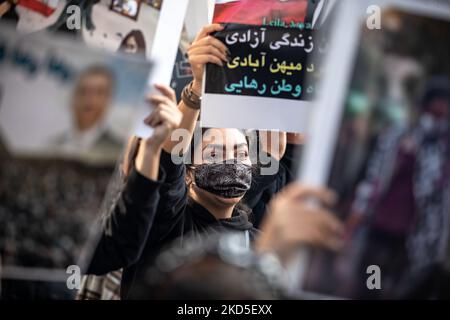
column 222, row 146
column 218, row 146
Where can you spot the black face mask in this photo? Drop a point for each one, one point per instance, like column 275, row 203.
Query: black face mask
column 224, row 180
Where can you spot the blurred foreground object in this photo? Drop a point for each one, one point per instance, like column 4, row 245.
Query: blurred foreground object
column 381, row 139
column 65, row 112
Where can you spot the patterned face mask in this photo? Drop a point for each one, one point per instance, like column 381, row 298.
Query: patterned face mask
column 223, row 179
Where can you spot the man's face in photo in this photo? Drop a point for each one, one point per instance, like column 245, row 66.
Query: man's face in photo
column 91, row 99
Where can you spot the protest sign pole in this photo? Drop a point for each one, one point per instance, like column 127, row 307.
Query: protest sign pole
column 164, row 52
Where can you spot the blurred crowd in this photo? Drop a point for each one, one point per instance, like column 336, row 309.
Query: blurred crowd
column 43, row 222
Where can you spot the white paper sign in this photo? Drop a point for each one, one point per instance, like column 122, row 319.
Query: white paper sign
column 164, row 52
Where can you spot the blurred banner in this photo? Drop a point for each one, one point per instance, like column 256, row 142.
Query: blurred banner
column 384, row 130
column 147, row 28
column 65, row 114
column 276, row 66
column 273, row 52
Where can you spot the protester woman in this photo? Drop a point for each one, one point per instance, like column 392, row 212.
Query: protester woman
column 164, row 200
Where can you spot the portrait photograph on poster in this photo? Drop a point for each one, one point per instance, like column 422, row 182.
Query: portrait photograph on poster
column 35, row 15
column 387, row 157
column 122, row 26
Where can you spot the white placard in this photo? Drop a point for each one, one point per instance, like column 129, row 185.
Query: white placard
column 246, row 112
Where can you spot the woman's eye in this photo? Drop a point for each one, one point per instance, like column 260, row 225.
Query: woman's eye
column 212, row 156
column 242, row 154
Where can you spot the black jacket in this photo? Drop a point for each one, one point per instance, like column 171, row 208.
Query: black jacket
column 150, row 215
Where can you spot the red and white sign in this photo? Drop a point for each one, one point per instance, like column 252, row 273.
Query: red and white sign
column 43, row 7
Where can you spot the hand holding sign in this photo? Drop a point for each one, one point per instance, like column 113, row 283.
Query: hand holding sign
column 165, row 117
column 206, row 49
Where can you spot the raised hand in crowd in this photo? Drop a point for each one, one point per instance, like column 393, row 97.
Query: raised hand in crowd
column 292, row 221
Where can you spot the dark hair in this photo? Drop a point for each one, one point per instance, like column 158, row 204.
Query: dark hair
column 99, row 70
column 140, row 41
column 211, row 266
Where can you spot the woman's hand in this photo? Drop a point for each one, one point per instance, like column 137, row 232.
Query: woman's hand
column 293, row 221
column 164, row 119
column 206, row 49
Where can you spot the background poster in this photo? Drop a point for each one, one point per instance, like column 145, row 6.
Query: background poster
column 65, row 114
column 114, row 25
column 270, row 77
